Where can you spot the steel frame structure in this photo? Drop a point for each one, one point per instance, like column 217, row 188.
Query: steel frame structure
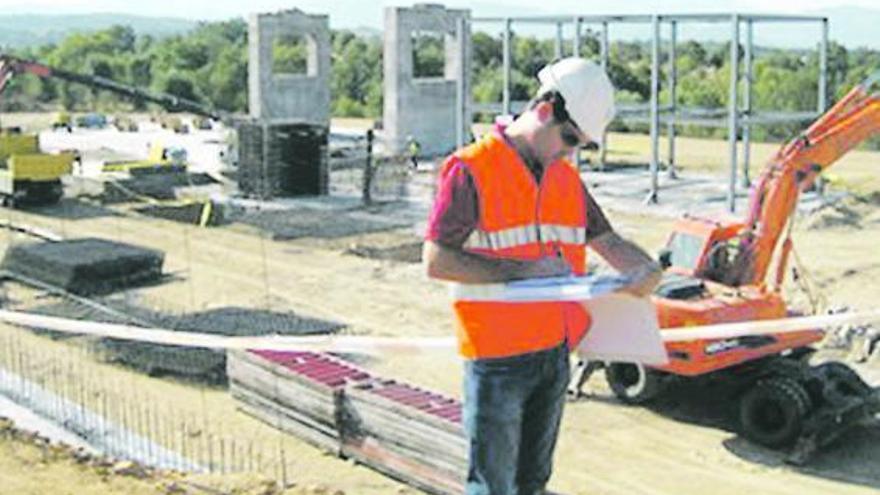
column 739, row 114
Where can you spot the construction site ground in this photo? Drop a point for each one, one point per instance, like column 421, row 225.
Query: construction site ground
column 369, row 281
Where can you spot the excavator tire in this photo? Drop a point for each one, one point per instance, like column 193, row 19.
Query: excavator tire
column 772, row 412
column 633, row 383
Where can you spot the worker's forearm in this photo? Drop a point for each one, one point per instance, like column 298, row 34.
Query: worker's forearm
column 623, row 255
column 630, row 260
column 642, row 282
column 456, row 265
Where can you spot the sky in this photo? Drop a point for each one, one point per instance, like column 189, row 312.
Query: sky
column 355, row 13
column 851, row 28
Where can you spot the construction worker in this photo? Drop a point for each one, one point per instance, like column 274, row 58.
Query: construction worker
column 511, row 206
column 413, row 148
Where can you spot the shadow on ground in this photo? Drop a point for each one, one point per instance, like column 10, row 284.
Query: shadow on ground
column 324, row 224
column 73, row 209
column 852, row 458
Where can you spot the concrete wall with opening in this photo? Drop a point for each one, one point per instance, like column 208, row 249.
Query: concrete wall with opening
column 289, row 67
column 423, row 100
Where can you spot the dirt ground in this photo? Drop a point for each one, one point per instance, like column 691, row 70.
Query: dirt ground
column 32, row 465
column 605, row 448
column 683, row 445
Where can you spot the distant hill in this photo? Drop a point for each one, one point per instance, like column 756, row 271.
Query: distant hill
column 851, row 26
column 34, row 29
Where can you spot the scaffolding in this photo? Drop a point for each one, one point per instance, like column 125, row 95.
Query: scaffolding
column 739, row 114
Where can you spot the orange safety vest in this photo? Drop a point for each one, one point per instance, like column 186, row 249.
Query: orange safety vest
column 521, row 219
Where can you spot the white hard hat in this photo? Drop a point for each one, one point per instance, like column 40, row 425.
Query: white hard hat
column 588, row 93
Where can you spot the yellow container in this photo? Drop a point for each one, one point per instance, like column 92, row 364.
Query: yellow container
column 40, row 167
column 18, row 144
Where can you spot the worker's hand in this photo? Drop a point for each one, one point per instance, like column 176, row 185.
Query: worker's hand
column 548, row 266
column 643, row 281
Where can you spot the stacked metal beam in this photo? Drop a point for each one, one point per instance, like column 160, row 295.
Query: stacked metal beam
column 409, row 433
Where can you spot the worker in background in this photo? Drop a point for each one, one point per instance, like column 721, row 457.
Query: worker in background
column 413, row 148
column 511, row 206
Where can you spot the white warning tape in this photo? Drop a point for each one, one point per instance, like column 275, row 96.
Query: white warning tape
column 390, row 345
column 318, row 343
column 764, row 327
column 37, row 232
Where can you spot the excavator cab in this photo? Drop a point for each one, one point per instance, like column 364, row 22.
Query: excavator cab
column 702, row 248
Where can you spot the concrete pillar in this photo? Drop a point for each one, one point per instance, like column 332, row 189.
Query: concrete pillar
column 425, row 108
column 286, row 97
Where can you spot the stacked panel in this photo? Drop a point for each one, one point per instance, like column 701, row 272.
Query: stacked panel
column 409, row 433
column 297, row 392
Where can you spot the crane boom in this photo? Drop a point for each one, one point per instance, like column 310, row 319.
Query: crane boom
column 10, row 66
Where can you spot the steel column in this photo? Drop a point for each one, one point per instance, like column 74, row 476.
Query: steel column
column 655, row 108
column 747, row 104
column 603, row 61
column 732, row 110
column 822, row 104
column 558, row 47
column 460, row 96
column 505, row 43
column 672, row 79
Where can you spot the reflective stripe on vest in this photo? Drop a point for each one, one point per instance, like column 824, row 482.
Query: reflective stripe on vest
column 529, row 234
column 519, row 219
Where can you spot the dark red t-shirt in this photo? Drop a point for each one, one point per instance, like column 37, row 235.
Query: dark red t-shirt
column 456, row 210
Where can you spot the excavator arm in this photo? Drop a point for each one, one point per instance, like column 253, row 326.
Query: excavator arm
column 850, row 121
column 10, row 66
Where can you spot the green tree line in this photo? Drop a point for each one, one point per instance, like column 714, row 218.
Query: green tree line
column 209, row 64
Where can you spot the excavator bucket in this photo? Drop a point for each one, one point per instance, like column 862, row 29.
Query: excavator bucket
column 848, row 401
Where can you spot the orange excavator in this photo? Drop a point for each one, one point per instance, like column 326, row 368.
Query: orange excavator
column 716, row 272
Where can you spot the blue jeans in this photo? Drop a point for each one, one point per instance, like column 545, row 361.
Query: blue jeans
column 512, row 410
